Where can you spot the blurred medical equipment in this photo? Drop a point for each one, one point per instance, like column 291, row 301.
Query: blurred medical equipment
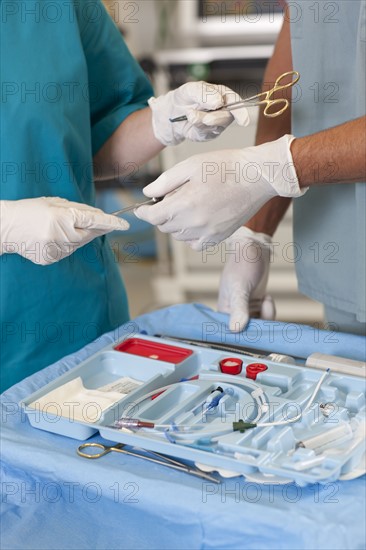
column 280, row 104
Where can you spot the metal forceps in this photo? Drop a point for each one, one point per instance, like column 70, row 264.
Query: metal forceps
column 263, row 98
column 157, row 458
column 136, row 205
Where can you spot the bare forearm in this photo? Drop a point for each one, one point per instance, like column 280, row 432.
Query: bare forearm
column 270, row 129
column 336, row 155
column 133, row 143
column 269, row 216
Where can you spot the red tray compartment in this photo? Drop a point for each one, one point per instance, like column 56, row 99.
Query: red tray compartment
column 154, row 350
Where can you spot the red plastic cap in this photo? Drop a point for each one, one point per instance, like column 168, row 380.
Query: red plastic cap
column 255, row 368
column 231, row 365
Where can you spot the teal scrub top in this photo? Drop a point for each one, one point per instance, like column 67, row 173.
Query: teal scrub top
column 328, row 41
column 68, row 81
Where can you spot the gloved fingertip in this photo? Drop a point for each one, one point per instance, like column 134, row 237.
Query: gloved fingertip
column 169, row 180
column 148, row 191
column 123, row 225
column 141, row 213
column 195, row 245
column 212, row 98
column 151, row 101
column 268, row 308
column 241, row 116
column 238, row 322
column 157, row 186
column 220, row 118
column 105, row 226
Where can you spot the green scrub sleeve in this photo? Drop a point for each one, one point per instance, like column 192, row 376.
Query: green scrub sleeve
column 117, row 84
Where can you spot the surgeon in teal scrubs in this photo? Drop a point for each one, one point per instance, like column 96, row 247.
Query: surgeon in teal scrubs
column 74, row 109
column 314, row 154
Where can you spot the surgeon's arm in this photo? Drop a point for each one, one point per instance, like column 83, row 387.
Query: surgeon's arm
column 242, row 291
column 336, row 155
column 269, row 129
column 146, row 131
column 133, row 143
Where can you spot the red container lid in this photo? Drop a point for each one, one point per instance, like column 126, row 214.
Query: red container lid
column 154, row 350
column 231, row 365
column 255, row 368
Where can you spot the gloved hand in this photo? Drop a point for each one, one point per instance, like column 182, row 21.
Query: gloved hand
column 193, row 100
column 222, row 190
column 244, row 278
column 47, row 229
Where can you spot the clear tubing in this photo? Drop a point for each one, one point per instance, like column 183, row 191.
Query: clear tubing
column 307, row 406
column 188, row 431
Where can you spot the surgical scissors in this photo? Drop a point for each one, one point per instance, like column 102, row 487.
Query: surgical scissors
column 266, row 99
column 159, row 458
column 136, row 205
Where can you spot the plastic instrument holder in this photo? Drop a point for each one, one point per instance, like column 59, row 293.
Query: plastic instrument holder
column 155, row 384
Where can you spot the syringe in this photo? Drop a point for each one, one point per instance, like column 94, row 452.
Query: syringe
column 328, row 438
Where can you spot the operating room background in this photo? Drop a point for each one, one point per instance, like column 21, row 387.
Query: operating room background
column 157, row 270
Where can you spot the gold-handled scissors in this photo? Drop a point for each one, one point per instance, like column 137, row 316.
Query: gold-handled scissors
column 264, row 98
column 155, row 457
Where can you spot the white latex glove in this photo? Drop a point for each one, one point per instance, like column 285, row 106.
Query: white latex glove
column 244, row 278
column 47, row 229
column 193, row 100
column 215, row 193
